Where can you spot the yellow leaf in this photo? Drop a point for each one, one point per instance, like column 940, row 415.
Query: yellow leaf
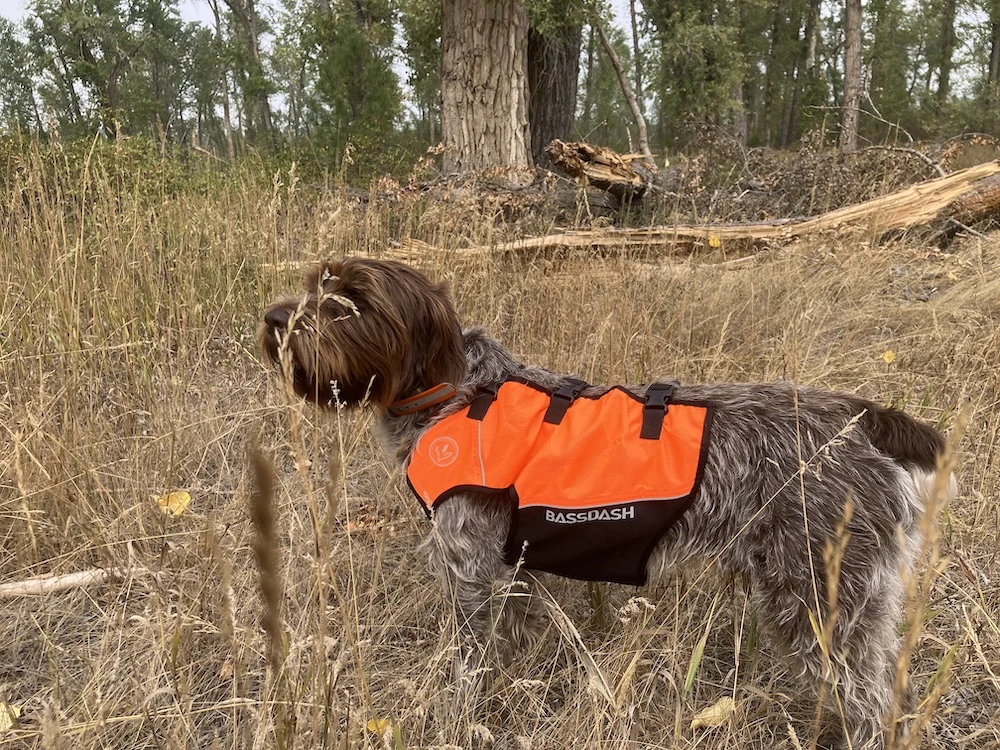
column 8, row 714
column 889, row 357
column 714, row 241
column 715, row 714
column 378, row 726
column 174, row 503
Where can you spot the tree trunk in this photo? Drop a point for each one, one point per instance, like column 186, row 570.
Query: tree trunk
column 484, row 84
column 771, row 73
column 994, row 71
column 227, row 123
column 852, row 78
column 588, row 93
column 640, row 121
column 739, row 114
column 803, row 68
column 553, row 70
column 637, row 57
column 791, row 82
column 947, row 52
column 256, row 106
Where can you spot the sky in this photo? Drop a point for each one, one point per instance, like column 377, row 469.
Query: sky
column 191, row 10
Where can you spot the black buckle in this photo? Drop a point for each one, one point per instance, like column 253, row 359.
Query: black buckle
column 658, row 397
column 561, row 398
column 482, row 401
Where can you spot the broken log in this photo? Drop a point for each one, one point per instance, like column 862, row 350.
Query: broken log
column 964, row 197
column 624, row 176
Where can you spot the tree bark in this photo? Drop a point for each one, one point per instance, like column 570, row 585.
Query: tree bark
column 803, row 67
column 640, row 121
column 637, row 57
column 553, row 71
column 588, row 93
column 852, row 78
column 484, row 84
column 226, row 114
column 771, row 73
column 625, row 178
column 947, row 52
column 791, row 82
column 257, row 107
column 993, row 78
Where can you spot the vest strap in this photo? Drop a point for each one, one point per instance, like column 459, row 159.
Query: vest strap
column 658, row 397
column 483, row 400
column 561, row 399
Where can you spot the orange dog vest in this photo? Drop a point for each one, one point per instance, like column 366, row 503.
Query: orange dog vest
column 594, row 482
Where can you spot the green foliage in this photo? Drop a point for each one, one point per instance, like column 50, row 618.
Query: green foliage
column 320, row 80
column 700, row 64
column 421, row 24
column 604, row 115
column 17, row 103
column 357, row 98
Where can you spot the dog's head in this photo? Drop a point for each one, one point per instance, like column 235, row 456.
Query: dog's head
column 364, row 331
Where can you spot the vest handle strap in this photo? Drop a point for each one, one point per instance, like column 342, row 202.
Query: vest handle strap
column 483, row 400
column 658, row 397
column 561, row 399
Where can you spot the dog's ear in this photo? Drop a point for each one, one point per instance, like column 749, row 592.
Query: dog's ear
column 439, row 348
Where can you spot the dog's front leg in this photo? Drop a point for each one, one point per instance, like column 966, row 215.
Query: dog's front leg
column 466, row 549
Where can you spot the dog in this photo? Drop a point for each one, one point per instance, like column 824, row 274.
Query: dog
column 782, row 471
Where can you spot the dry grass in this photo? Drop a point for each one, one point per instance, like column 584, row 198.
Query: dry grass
column 127, row 370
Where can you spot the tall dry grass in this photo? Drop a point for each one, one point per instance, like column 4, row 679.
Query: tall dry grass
column 128, row 369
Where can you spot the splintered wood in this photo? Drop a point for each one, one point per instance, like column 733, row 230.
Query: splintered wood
column 625, row 177
column 943, row 205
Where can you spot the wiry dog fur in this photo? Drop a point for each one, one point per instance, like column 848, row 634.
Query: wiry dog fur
column 370, row 332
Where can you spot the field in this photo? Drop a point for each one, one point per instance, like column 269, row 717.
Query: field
column 129, row 304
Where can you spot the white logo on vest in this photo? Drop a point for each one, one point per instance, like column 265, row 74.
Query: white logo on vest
column 443, row 451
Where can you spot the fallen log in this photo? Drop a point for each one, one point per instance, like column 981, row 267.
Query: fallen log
column 624, row 176
column 41, row 585
column 961, row 198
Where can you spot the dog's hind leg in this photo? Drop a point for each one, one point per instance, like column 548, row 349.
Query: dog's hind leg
column 870, row 647
column 494, row 612
column 858, row 666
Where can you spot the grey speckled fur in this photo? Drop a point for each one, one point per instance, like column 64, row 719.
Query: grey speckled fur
column 748, row 518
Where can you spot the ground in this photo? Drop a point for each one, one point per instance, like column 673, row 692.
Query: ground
column 128, row 369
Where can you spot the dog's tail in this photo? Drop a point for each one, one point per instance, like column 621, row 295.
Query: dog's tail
column 895, row 433
column 915, row 445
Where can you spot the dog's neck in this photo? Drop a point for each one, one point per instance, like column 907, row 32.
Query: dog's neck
column 488, row 362
column 422, row 401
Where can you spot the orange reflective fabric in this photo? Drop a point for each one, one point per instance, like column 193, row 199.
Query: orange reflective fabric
column 593, row 458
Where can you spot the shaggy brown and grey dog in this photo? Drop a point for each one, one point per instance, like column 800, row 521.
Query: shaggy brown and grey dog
column 782, row 465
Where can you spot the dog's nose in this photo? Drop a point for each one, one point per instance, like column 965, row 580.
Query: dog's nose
column 277, row 318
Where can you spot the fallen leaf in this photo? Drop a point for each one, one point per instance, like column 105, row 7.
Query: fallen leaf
column 715, row 714
column 8, row 715
column 174, row 503
column 714, row 241
column 378, row 726
column 889, row 357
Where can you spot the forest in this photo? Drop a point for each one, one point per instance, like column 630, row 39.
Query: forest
column 357, row 84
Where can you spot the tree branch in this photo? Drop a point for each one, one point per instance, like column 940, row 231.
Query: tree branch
column 640, row 121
